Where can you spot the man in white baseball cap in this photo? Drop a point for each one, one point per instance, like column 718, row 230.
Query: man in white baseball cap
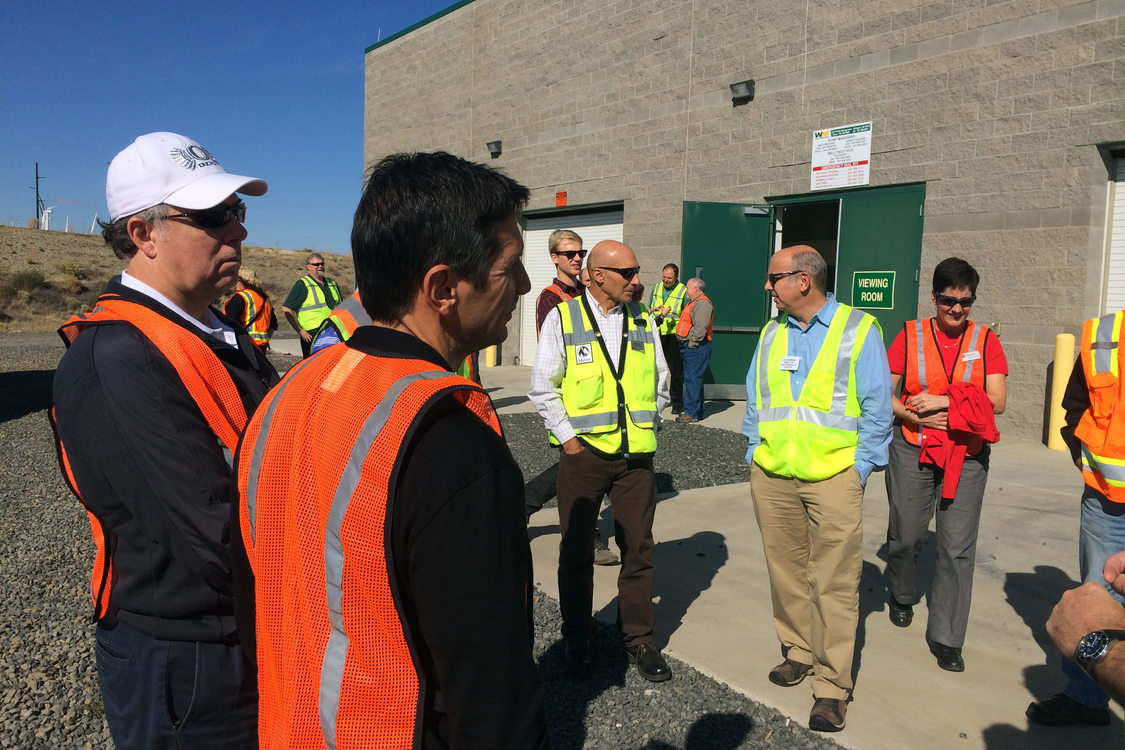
column 149, row 402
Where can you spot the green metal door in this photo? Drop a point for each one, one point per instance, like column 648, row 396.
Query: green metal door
column 879, row 250
column 728, row 246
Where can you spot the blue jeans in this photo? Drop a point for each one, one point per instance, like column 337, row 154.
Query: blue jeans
column 695, row 364
column 1102, row 534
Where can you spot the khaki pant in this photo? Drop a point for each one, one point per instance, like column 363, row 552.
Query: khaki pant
column 812, row 536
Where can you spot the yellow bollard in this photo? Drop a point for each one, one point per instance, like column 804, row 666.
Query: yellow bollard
column 490, row 355
column 1064, row 362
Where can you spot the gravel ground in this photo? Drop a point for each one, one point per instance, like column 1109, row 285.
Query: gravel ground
column 48, row 685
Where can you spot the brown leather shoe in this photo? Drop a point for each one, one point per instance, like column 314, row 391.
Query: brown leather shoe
column 789, row 673
column 828, row 714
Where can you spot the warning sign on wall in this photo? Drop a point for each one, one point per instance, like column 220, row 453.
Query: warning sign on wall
column 873, row 290
column 841, row 157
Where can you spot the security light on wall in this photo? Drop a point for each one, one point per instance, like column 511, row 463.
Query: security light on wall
column 742, row 92
column 494, row 148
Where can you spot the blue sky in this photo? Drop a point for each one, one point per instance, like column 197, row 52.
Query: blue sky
column 272, row 90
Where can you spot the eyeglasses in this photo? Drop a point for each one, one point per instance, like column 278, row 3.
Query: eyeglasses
column 317, row 265
column 776, row 277
column 626, row 273
column 213, row 218
column 946, row 301
column 570, row 253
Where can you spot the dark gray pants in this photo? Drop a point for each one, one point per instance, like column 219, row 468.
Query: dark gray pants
column 914, row 492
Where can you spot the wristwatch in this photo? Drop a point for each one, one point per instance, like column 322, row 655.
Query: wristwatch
column 1094, row 646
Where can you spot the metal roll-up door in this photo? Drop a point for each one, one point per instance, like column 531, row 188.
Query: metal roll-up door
column 592, row 227
column 1115, row 273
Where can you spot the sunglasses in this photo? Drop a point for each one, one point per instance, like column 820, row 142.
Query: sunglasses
column 776, row 277
column 213, row 218
column 946, row 301
column 626, row 273
column 317, row 265
column 570, row 253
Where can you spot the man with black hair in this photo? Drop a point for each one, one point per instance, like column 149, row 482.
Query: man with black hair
column 149, row 402
column 380, row 508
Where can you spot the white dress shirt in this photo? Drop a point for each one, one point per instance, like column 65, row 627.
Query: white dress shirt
column 550, row 364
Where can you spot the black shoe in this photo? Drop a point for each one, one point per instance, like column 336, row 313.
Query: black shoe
column 576, row 657
column 901, row 614
column 677, row 408
column 1061, row 711
column 948, row 658
column 650, row 663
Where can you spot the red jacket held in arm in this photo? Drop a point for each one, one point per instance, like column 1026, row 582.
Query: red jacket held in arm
column 971, row 424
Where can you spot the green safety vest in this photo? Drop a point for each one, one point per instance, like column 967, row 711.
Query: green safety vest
column 675, row 300
column 315, row 308
column 815, row 436
column 597, row 400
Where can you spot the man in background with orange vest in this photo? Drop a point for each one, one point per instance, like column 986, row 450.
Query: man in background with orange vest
column 953, row 372
column 380, row 508
column 693, row 331
column 149, row 402
column 1094, row 431
column 250, row 307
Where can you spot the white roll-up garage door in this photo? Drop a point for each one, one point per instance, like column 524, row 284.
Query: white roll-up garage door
column 1115, row 275
column 591, row 227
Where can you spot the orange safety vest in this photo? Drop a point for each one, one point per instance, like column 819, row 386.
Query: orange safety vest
column 347, row 316
column 256, row 318
column 201, row 372
column 685, row 324
column 925, row 369
column 334, row 665
column 1102, row 427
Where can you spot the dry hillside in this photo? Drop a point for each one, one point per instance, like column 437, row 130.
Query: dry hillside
column 47, row 276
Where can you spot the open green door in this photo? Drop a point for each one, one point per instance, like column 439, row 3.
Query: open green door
column 728, row 246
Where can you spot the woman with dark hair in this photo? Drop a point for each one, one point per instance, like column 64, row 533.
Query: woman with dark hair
column 953, row 375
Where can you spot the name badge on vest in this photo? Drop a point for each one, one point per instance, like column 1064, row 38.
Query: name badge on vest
column 970, row 356
column 583, row 354
column 790, row 363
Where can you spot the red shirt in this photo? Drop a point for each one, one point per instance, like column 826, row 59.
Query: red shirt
column 994, row 360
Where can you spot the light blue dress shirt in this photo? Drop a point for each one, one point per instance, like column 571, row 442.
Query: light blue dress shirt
column 872, row 382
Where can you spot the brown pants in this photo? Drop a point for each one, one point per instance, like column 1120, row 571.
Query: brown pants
column 812, row 536
column 584, row 479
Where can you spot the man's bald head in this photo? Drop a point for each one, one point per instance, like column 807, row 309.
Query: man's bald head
column 609, row 263
column 612, row 254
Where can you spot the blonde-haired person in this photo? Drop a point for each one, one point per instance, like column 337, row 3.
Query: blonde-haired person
column 250, row 307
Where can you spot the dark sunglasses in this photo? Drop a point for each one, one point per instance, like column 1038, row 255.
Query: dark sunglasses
column 570, row 253
column 946, row 301
column 776, row 277
column 317, row 265
column 213, row 218
column 626, row 273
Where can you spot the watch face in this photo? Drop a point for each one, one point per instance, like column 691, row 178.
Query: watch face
column 1091, row 645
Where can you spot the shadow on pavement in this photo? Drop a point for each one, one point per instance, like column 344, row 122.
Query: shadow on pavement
column 24, row 392
column 695, row 560
column 712, row 732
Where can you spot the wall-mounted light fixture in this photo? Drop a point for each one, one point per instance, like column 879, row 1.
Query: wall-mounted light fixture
column 494, row 148
column 742, row 92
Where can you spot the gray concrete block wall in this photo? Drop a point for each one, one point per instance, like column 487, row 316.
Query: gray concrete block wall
column 997, row 106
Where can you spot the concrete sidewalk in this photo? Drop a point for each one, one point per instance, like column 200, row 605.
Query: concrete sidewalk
column 714, row 609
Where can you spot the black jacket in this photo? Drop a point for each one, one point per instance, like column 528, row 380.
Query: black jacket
column 148, row 466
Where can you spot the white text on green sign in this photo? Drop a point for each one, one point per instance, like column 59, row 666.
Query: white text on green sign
column 873, row 289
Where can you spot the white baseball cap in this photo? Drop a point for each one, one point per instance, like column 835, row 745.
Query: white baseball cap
column 168, row 168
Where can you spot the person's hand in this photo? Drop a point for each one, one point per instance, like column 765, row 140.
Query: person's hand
column 306, row 336
column 937, row 420
column 1114, row 572
column 1080, row 611
column 927, row 402
column 572, row 447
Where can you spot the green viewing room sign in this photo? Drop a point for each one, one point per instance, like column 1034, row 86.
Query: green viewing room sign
column 873, row 290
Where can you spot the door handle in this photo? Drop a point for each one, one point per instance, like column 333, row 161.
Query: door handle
column 736, row 329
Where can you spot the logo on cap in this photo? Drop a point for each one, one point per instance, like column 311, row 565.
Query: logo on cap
column 193, row 157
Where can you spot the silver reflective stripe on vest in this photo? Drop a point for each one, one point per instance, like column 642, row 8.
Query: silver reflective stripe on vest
column 643, row 415
column 355, row 307
column 581, row 336
column 1113, row 473
column 972, row 348
column 260, row 448
column 813, row 416
column 590, row 422
column 335, row 653
column 919, row 336
column 640, row 335
column 844, row 361
column 763, row 362
column 312, row 288
column 1104, row 345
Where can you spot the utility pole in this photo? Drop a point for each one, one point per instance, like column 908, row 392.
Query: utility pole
column 38, row 200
